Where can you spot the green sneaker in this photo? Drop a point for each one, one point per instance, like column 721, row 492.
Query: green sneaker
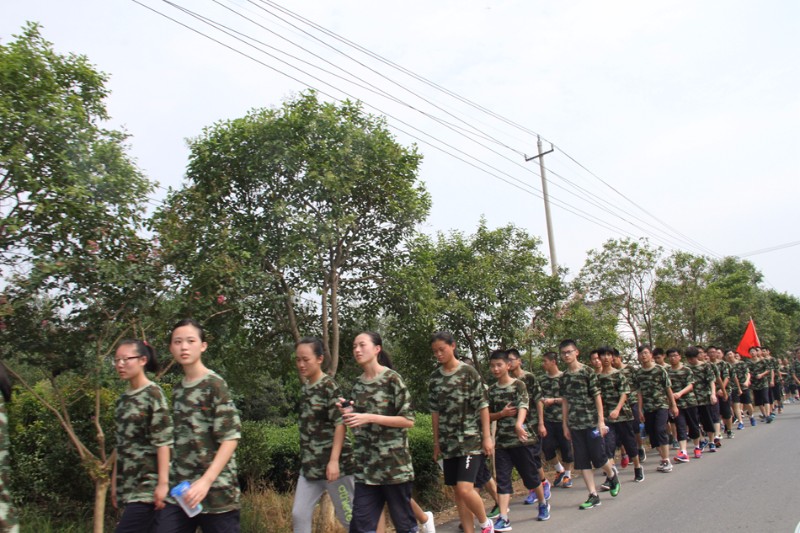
column 593, row 501
column 615, row 486
column 494, row 513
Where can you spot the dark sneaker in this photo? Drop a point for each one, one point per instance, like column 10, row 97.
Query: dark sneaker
column 638, row 474
column 494, row 513
column 606, row 485
column 642, row 455
column 544, row 512
column 593, row 501
column 711, row 448
column 717, row 442
column 559, row 478
column 615, row 486
column 567, row 483
column 502, row 524
column 752, row 421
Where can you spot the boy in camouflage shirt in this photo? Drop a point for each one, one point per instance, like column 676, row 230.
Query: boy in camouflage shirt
column 551, row 427
column 584, row 423
column 656, row 402
column 508, row 406
column 705, row 392
column 461, row 430
column 760, row 375
column 207, row 431
column 682, row 380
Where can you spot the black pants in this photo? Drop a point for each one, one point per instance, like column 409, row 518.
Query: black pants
column 655, row 422
column 687, row 423
column 621, row 433
column 555, row 440
column 172, row 519
column 368, row 503
column 137, row 517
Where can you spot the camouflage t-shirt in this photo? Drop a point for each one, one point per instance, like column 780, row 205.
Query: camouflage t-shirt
column 680, row 379
column 9, row 520
column 458, row 397
column 143, row 424
column 381, row 453
column 740, row 371
column 724, row 371
column 612, row 386
column 515, row 394
column 757, row 367
column 549, row 386
column 534, row 396
column 579, row 389
column 704, row 376
column 795, row 369
column 775, row 366
column 653, row 384
column 317, row 422
column 204, row 417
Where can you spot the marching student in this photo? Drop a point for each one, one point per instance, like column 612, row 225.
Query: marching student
column 705, row 393
column 682, row 380
column 628, row 371
column 742, row 378
column 551, row 426
column 325, row 452
column 795, row 373
column 461, row 428
column 379, row 413
column 206, row 431
column 759, row 377
column 584, row 421
column 508, row 406
column 656, row 402
column 140, row 480
column 535, row 415
column 615, row 391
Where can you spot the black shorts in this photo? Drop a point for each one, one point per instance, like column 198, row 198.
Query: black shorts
column 368, row 503
column 715, row 414
column 521, row 458
column 484, row 474
column 620, row 433
column 464, row 468
column 173, row 519
column 745, row 398
column 687, row 423
column 760, row 396
column 589, row 448
column 777, row 393
column 655, row 423
column 725, row 410
column 705, row 417
column 555, row 440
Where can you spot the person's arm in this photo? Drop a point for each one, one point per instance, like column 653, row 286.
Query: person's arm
column 519, row 427
column 738, row 384
column 199, row 489
column 565, row 417
column 354, row 420
column 614, row 414
column 713, row 392
column 673, row 406
column 162, row 486
column 486, row 430
column 601, row 420
column 435, row 425
column 508, row 410
column 332, row 470
column 641, row 406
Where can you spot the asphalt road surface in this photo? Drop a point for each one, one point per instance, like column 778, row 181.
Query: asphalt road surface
column 750, row 484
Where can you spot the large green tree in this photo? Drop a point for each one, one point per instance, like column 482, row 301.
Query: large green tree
column 78, row 275
column 620, row 277
column 294, row 213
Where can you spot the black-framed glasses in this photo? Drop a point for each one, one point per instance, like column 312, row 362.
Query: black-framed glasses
column 124, row 360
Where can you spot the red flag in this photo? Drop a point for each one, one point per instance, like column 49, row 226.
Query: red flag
column 749, row 339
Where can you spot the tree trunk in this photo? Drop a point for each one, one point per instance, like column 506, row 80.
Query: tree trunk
column 100, row 491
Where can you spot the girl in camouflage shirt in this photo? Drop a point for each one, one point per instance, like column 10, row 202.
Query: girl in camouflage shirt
column 207, row 431
column 144, row 436
column 324, row 449
column 380, row 419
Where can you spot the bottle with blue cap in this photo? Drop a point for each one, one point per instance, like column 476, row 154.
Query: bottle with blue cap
column 177, row 492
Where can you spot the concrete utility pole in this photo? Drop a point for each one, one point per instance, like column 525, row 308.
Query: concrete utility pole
column 550, row 239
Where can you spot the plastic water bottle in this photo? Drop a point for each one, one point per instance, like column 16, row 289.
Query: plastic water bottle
column 177, row 492
column 642, row 432
column 349, row 407
column 595, row 432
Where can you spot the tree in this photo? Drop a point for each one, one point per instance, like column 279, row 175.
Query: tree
column 71, row 209
column 297, row 211
column 683, row 301
column 621, row 278
column 490, row 289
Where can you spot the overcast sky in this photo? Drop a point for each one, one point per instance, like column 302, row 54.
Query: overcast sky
column 678, row 121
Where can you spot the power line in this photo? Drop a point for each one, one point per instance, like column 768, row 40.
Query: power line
column 770, row 249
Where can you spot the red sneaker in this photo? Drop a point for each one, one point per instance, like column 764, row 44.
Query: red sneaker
column 625, row 461
column 697, row 453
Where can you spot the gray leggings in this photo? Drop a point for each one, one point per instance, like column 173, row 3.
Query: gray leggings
column 308, row 493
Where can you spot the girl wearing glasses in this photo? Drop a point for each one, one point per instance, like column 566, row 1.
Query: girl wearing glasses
column 144, row 436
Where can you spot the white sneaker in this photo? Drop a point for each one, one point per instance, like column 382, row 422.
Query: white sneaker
column 429, row 526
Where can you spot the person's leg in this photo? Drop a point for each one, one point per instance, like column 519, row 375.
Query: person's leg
column 398, row 498
column 136, row 517
column 368, row 501
column 220, row 523
column 341, row 494
column 306, row 496
column 172, row 519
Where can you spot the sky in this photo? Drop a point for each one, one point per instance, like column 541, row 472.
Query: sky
column 677, row 121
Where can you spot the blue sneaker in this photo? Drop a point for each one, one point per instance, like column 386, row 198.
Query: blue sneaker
column 711, row 448
column 546, row 490
column 502, row 524
column 544, row 512
column 752, row 421
column 567, row 482
column 740, row 425
column 559, row 478
column 531, row 499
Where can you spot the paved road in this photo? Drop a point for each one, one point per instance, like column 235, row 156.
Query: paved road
column 751, row 484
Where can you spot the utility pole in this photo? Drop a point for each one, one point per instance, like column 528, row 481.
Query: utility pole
column 550, row 239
